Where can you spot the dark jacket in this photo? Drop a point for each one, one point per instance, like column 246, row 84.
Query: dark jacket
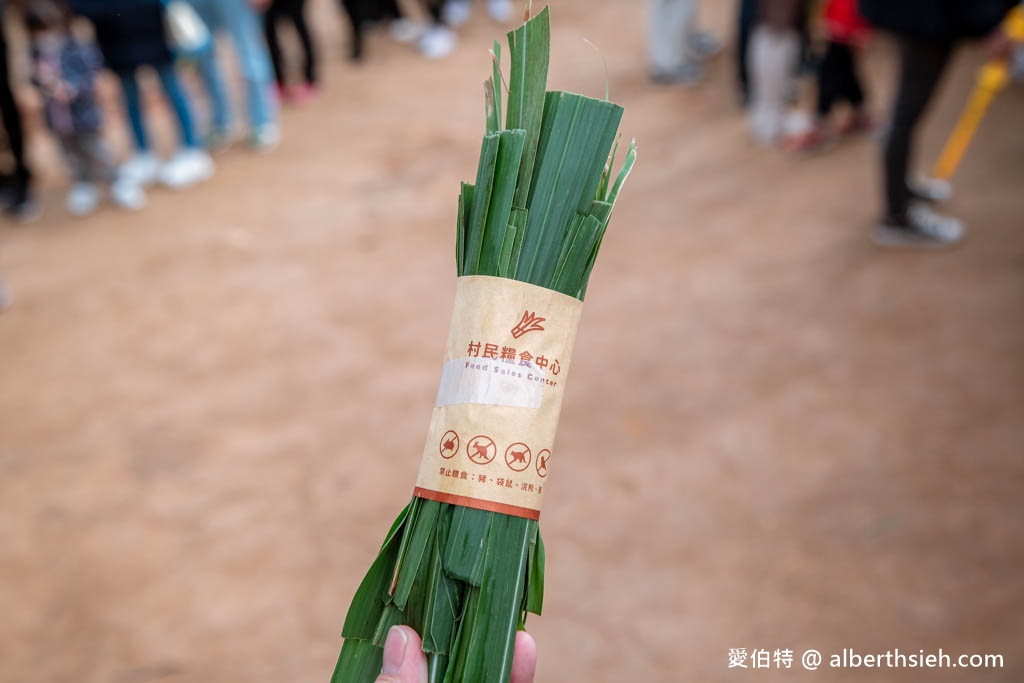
column 130, row 33
column 937, row 20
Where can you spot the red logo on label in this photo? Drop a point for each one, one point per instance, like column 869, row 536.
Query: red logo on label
column 481, row 449
column 517, row 457
column 530, row 322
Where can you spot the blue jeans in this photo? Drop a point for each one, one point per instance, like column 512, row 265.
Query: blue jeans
column 176, row 97
column 241, row 23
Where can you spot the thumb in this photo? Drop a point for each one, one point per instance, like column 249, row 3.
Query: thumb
column 404, row 661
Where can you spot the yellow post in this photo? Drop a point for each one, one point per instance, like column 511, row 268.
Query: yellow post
column 993, row 77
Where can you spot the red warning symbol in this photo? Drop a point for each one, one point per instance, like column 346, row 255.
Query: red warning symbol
column 542, row 462
column 518, row 457
column 449, row 444
column 481, row 449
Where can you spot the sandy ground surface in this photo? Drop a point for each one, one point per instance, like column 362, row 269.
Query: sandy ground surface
column 776, row 436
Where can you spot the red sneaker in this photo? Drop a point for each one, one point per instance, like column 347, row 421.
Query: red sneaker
column 814, row 139
column 305, row 93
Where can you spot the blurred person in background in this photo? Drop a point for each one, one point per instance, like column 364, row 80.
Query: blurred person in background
column 677, row 49
column 64, row 70
column 130, row 34
column 927, row 33
column 294, row 11
column 17, row 197
column 772, row 60
column 838, row 81
column 239, row 20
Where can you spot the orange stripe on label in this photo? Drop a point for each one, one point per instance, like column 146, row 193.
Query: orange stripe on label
column 476, row 503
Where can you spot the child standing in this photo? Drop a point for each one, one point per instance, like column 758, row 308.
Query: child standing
column 131, row 35
column 847, row 32
column 64, row 70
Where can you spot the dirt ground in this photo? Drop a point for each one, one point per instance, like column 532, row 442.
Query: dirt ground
column 776, row 435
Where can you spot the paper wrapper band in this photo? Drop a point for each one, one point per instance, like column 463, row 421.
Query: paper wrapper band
column 492, row 432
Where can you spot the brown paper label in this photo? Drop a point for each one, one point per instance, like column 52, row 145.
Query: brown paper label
column 492, row 432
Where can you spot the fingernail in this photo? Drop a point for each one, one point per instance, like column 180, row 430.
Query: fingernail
column 394, row 651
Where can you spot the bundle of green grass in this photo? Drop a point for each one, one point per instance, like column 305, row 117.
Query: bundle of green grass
column 464, row 578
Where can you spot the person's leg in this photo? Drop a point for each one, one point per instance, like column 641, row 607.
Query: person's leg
column 99, row 159
column 774, row 51
column 253, row 62
column 298, row 16
column 84, row 196
column 435, row 10
column 922, row 64
column 11, row 116
column 359, row 14
column 853, row 91
column 831, row 79
column 77, row 162
column 210, row 72
column 133, row 107
column 668, row 30
column 179, row 104
column 273, row 43
column 747, row 21
column 143, row 166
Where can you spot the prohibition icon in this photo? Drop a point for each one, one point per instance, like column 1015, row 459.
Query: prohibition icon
column 481, row 449
column 542, row 462
column 518, row 457
column 449, row 444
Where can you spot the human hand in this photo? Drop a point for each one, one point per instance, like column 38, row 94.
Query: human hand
column 405, row 662
column 259, row 5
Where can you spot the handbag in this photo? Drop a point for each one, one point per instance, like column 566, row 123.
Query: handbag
column 187, row 34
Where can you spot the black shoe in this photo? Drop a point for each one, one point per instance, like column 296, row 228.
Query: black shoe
column 23, row 209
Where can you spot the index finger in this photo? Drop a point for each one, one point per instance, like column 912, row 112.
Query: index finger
column 524, row 661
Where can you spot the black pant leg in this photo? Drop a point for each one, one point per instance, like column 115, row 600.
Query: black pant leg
column 853, row 91
column 830, row 79
column 297, row 13
column 747, row 20
column 273, row 43
column 434, row 9
column 11, row 116
column 359, row 13
column 922, row 64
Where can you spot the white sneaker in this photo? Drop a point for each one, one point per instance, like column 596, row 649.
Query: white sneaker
column 186, row 168
column 931, row 190
column 265, row 138
column 143, row 169
column 405, row 31
column 128, row 195
column 924, row 228
column 456, row 12
column 437, row 42
column 500, row 10
column 82, row 200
